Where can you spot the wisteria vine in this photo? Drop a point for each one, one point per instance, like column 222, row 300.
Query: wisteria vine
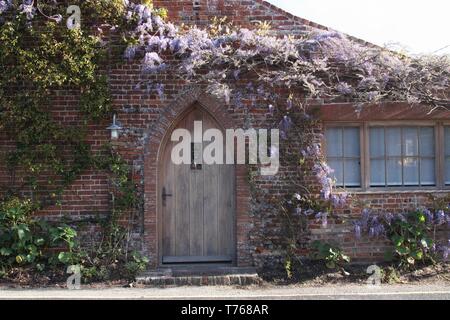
column 322, row 64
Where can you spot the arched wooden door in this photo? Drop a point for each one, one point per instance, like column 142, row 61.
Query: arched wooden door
column 197, row 203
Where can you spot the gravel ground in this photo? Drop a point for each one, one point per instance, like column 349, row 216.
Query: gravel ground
column 291, row 292
column 423, row 283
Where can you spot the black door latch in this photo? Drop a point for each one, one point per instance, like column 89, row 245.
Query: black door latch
column 165, row 195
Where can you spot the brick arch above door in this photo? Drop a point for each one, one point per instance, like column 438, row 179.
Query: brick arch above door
column 156, row 135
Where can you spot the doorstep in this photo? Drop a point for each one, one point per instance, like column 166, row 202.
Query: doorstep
column 200, row 276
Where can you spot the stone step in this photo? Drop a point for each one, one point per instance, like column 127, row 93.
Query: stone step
column 200, row 277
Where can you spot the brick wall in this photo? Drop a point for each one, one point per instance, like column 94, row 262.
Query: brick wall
column 146, row 120
column 241, row 12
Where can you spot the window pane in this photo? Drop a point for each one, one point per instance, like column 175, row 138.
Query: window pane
column 411, row 171
column 394, row 172
column 377, row 173
column 447, row 141
column 337, row 166
column 447, row 153
column 376, row 142
column 393, row 141
column 427, row 172
column 406, row 147
column 351, row 142
column 410, row 142
column 333, row 137
column 447, row 171
column 427, row 141
column 352, row 173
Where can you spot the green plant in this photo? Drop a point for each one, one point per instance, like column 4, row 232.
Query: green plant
column 25, row 240
column 66, row 236
column 390, row 275
column 21, row 238
column 411, row 237
column 3, row 272
column 137, row 264
column 58, row 59
column 95, row 273
column 332, row 255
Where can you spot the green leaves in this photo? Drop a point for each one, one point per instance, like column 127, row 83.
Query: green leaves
column 417, row 254
column 21, row 234
column 397, row 240
column 421, row 217
column 58, row 58
column 22, row 231
column 95, row 100
column 63, row 235
column 139, row 263
column 5, row 251
column 65, row 257
column 403, row 250
column 24, row 240
column 410, row 239
column 332, row 255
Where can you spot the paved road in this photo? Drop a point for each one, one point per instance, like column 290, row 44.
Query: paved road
column 353, row 292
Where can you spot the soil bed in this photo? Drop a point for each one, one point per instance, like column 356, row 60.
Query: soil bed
column 310, row 273
column 315, row 273
column 28, row 278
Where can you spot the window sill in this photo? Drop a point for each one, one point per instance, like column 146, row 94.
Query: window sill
column 388, row 191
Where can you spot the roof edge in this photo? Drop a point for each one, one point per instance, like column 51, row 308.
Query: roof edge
column 311, row 23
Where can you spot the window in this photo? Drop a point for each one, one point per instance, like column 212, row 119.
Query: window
column 344, row 155
column 402, row 156
column 389, row 155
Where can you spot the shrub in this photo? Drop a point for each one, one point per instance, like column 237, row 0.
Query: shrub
column 332, row 255
column 413, row 235
column 25, row 240
column 411, row 239
column 22, row 239
column 137, row 264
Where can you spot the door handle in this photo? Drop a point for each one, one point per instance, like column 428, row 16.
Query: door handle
column 164, row 196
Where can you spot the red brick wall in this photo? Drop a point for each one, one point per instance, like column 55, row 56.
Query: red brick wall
column 146, row 120
column 242, row 12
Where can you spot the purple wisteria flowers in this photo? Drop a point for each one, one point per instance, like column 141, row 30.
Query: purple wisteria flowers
column 5, row 5
column 329, row 199
column 27, row 8
column 285, row 126
column 323, row 174
column 152, row 62
column 316, row 62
